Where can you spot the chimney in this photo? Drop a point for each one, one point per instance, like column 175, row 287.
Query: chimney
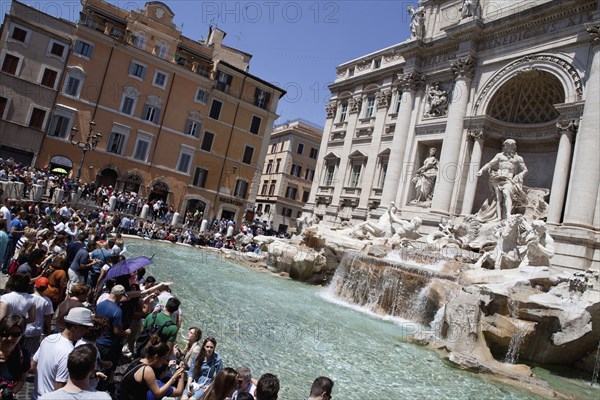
column 215, row 37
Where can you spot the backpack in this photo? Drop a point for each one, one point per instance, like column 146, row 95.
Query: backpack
column 154, row 329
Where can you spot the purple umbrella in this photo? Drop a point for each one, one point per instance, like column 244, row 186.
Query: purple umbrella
column 128, row 266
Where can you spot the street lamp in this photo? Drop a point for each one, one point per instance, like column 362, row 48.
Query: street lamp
column 90, row 142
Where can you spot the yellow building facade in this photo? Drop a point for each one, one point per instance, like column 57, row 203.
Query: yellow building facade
column 181, row 120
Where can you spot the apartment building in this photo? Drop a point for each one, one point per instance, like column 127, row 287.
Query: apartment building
column 288, row 174
column 181, row 120
column 33, row 55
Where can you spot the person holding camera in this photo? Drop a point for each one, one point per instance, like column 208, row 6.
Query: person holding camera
column 14, row 359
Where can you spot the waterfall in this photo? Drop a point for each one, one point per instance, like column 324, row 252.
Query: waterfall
column 385, row 287
column 596, row 366
column 514, row 347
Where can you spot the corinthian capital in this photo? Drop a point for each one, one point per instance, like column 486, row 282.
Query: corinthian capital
column 411, row 81
column 383, row 98
column 463, row 68
column 568, row 126
column 330, row 110
column 354, row 104
column 594, row 32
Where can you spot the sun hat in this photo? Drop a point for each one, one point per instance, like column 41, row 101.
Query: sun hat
column 41, row 282
column 80, row 316
column 118, row 290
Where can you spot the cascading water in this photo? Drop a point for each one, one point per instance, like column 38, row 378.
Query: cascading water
column 514, row 347
column 385, row 287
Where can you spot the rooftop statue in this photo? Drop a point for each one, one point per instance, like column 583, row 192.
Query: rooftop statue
column 417, row 21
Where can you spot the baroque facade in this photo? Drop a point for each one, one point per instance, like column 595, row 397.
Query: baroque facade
column 288, row 174
column 181, row 120
column 528, row 71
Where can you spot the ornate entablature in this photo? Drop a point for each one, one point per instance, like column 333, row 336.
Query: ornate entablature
column 552, row 64
column 431, row 129
column 566, row 18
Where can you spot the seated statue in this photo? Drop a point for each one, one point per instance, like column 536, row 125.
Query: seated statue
column 438, row 101
column 540, row 245
column 511, row 246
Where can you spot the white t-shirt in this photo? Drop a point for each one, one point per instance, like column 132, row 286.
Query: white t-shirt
column 43, row 307
column 51, row 360
column 62, row 394
column 6, row 215
column 18, row 303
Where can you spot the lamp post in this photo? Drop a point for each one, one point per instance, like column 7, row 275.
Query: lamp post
column 88, row 143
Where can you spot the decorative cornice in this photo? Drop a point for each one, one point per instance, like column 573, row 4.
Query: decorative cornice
column 383, row 98
column 411, row 81
column 463, row 68
column 594, row 32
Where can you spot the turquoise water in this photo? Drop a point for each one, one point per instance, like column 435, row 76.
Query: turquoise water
column 290, row 329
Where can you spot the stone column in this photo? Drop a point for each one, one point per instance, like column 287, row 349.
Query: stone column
column 310, row 204
column 409, row 84
column 341, row 179
column 471, row 187
column 585, row 174
column 567, row 131
column 463, row 70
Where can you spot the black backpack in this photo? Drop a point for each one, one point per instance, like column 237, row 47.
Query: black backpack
column 154, row 329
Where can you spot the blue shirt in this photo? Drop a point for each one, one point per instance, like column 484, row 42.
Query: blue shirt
column 208, row 371
column 113, row 312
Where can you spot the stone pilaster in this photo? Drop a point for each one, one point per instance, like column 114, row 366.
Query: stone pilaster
column 382, row 104
column 409, row 84
column 567, row 131
column 585, row 174
column 478, row 138
column 463, row 69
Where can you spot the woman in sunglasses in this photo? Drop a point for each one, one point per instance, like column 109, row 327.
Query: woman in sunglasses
column 14, row 359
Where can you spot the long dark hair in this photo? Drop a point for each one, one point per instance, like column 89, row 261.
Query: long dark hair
column 200, row 358
column 223, row 386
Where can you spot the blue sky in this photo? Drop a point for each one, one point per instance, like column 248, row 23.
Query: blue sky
column 295, row 44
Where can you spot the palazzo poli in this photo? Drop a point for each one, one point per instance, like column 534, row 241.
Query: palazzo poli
column 415, row 123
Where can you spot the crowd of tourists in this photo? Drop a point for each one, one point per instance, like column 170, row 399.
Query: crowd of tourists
column 64, row 323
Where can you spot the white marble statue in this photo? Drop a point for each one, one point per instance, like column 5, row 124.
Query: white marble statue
column 437, row 101
column 384, row 227
column 424, row 179
column 417, row 21
column 506, row 171
column 540, row 245
column 469, row 8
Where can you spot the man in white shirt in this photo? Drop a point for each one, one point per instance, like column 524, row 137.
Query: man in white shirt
column 51, row 358
column 81, row 364
column 5, row 211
